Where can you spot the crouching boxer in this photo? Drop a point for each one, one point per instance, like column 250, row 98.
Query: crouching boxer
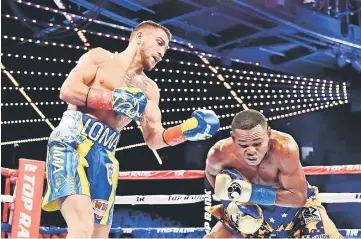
column 261, row 166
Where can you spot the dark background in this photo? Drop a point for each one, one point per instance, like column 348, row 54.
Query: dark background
column 257, row 33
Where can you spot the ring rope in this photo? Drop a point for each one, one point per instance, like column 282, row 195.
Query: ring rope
column 187, row 199
column 194, row 174
column 183, row 174
column 56, row 230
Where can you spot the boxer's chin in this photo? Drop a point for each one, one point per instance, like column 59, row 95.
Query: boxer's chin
column 253, row 161
column 148, row 65
column 148, row 68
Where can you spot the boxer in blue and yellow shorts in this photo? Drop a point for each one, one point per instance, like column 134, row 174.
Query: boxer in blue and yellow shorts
column 81, row 160
column 105, row 92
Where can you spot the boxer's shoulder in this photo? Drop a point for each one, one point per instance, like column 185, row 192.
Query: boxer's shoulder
column 100, row 54
column 221, row 150
column 283, row 144
column 224, row 146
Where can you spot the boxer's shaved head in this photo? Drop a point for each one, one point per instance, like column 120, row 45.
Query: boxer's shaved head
column 248, row 119
column 146, row 25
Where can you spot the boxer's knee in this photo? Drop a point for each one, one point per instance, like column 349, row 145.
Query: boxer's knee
column 329, row 227
column 101, row 231
column 82, row 229
column 209, row 235
column 219, row 231
column 220, row 234
column 78, row 213
column 216, row 234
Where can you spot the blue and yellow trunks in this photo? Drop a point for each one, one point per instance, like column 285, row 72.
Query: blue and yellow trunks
column 80, row 160
column 310, row 221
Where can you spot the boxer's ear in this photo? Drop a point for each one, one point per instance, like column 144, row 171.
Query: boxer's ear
column 233, row 138
column 269, row 131
column 139, row 37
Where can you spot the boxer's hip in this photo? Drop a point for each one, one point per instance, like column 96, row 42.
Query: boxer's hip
column 75, row 127
column 281, row 221
column 80, row 159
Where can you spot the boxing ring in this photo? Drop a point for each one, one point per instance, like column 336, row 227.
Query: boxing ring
column 24, row 204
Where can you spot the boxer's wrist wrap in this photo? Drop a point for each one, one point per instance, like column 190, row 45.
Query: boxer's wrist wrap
column 164, row 138
column 99, row 99
column 173, row 136
column 86, row 99
column 263, row 195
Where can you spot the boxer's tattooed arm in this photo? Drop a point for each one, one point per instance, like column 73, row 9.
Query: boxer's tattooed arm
column 137, row 81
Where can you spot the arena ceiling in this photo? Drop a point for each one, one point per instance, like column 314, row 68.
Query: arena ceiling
column 288, row 38
column 259, row 52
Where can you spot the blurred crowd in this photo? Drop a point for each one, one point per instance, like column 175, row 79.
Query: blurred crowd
column 129, row 218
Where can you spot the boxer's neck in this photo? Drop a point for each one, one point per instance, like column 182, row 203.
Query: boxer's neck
column 130, row 60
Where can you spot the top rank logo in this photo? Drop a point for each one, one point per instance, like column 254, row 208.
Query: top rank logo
column 311, row 214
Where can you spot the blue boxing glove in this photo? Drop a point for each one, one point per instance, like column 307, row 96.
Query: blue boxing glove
column 230, row 185
column 127, row 101
column 130, row 102
column 202, row 125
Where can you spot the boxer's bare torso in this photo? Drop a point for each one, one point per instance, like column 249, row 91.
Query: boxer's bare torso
column 111, row 75
column 225, row 155
column 280, row 168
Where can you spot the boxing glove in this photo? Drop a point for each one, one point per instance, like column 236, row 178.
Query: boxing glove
column 202, row 125
column 130, row 102
column 230, row 185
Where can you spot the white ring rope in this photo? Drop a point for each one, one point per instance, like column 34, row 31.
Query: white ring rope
column 165, row 229
column 340, row 197
column 186, row 199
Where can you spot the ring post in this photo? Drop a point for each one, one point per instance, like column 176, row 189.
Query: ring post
column 28, row 198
